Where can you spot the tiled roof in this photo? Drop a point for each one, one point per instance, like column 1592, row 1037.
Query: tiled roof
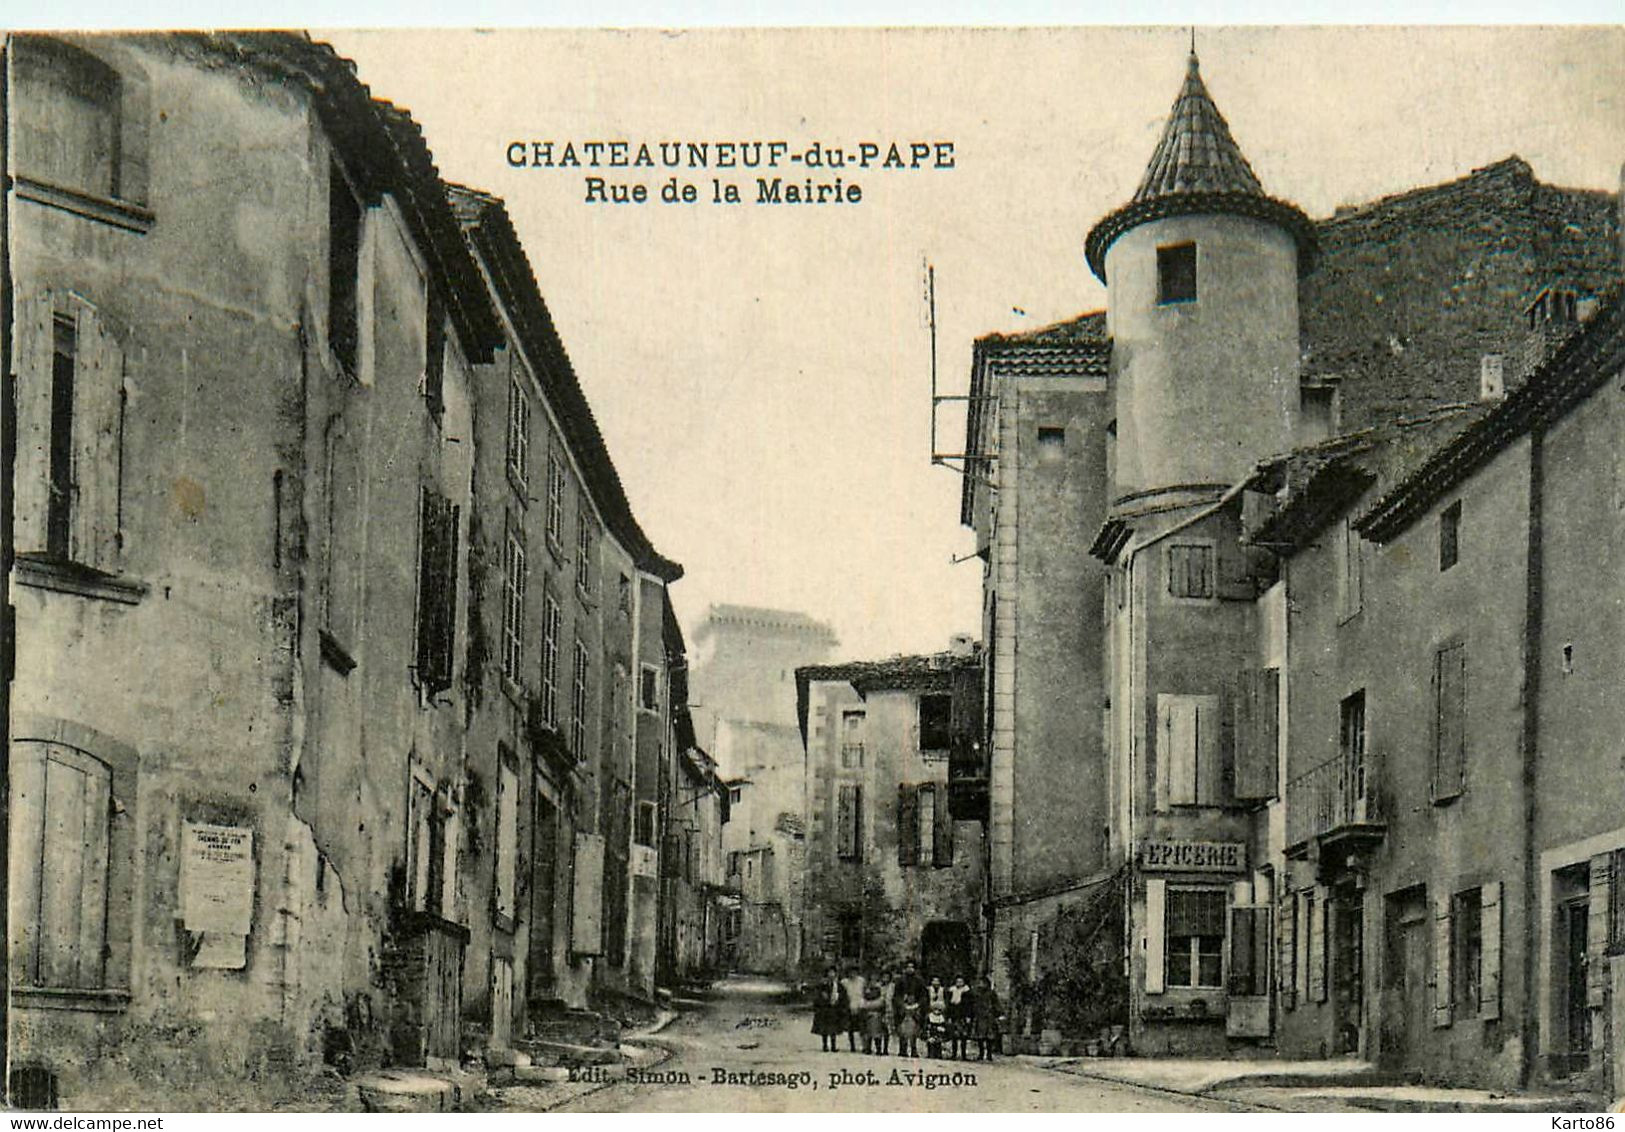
column 931, row 672
column 1197, row 167
column 1074, row 347
column 1314, row 483
column 1196, row 153
column 491, row 233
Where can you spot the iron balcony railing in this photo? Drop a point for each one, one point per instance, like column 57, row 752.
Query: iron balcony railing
column 1338, row 793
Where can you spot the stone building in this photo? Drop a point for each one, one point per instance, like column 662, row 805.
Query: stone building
column 892, row 872
column 345, row 693
column 236, row 753
column 569, row 676
column 742, row 687
column 1267, row 380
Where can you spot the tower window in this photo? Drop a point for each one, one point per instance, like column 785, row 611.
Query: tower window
column 1176, row 273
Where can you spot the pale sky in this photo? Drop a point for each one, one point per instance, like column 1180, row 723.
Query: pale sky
column 761, row 373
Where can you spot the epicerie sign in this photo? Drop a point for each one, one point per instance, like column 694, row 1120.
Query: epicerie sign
column 1194, row 856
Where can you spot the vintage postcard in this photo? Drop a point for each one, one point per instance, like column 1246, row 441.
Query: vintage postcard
column 863, row 570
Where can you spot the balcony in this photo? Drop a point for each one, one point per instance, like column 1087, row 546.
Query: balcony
column 1333, row 812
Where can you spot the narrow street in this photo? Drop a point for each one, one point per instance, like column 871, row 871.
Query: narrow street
column 748, row 1033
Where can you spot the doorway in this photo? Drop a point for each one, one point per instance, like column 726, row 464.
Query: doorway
column 946, row 950
column 1347, row 911
column 544, row 854
column 1405, row 992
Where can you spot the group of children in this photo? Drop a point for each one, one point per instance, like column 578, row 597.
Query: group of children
column 876, row 1007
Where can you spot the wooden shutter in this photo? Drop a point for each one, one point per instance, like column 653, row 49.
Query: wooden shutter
column 1287, row 962
column 98, row 388
column 1256, row 741
column 1176, row 751
column 586, row 922
column 908, row 825
column 1209, row 785
column 437, row 590
column 1450, row 736
column 1597, row 967
column 1443, row 937
column 1489, row 925
column 1242, row 967
column 1156, row 906
column 32, row 363
column 942, row 829
column 1317, row 947
column 73, row 870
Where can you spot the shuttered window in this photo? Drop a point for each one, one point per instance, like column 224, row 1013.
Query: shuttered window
column 60, row 823
column 1189, row 770
column 507, row 841
column 518, row 430
column 343, row 268
column 1450, row 721
column 1316, row 945
column 1190, row 570
column 555, row 499
column 848, row 822
column 1287, row 954
column 434, row 355
column 437, row 590
column 1443, row 974
column 1249, row 951
column 1467, row 947
column 1489, row 916
column 927, row 810
column 70, row 424
column 584, row 545
column 1256, row 733
column 908, row 825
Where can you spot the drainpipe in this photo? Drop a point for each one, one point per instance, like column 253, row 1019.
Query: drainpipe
column 1534, row 616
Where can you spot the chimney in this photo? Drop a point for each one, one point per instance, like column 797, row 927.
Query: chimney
column 962, row 644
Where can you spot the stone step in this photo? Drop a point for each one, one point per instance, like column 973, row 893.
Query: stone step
column 571, row 1053
column 404, row 1090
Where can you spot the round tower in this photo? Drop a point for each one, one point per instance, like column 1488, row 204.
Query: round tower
column 1201, row 273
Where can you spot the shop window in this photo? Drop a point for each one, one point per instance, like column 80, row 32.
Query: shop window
column 1195, row 937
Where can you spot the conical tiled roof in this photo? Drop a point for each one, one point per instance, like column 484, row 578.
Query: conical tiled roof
column 1197, row 153
column 1197, row 167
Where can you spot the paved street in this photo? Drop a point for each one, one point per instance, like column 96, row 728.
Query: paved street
column 747, row 1030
